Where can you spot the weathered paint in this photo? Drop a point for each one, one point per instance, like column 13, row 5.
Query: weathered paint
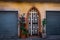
column 25, row 7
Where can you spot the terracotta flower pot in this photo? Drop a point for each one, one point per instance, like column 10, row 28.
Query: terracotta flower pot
column 23, row 36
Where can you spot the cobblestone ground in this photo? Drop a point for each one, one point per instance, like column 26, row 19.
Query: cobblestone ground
column 50, row 37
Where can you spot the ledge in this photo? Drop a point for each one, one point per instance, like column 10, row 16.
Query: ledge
column 42, row 1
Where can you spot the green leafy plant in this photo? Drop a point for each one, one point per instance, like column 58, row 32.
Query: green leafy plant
column 22, row 26
column 44, row 22
column 24, row 30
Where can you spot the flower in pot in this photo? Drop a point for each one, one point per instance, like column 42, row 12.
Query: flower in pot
column 22, row 28
column 23, row 31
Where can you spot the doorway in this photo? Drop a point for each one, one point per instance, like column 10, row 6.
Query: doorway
column 8, row 24
column 34, row 22
column 53, row 22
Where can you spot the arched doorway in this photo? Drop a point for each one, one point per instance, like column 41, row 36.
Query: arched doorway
column 33, row 22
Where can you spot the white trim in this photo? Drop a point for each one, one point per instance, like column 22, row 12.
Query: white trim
column 32, row 12
column 53, row 10
column 31, row 23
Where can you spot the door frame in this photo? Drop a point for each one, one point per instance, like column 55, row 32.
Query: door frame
column 39, row 21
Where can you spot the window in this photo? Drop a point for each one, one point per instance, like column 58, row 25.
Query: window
column 33, row 19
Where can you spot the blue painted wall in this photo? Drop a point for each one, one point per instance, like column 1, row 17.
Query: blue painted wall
column 53, row 22
column 8, row 24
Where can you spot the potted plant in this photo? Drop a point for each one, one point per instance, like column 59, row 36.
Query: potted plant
column 44, row 28
column 22, row 28
column 23, row 32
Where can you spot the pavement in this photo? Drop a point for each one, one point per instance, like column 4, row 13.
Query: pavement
column 49, row 37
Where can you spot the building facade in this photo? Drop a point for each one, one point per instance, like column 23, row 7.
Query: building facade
column 34, row 12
